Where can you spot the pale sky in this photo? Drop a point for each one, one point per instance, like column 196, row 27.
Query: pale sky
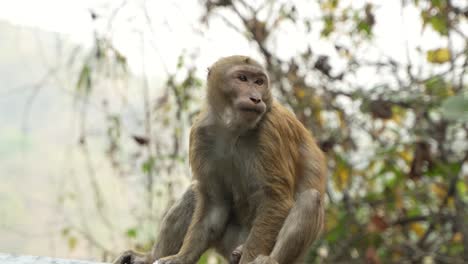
column 173, row 21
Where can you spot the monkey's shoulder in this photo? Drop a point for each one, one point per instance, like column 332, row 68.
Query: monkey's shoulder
column 283, row 136
column 282, row 126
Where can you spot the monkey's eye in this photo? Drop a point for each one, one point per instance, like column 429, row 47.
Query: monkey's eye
column 259, row 82
column 242, row 78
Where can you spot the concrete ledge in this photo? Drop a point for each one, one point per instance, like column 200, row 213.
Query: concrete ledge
column 17, row 259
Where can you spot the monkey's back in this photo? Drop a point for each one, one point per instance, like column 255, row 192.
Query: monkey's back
column 284, row 138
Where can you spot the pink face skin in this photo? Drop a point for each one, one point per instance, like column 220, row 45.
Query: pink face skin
column 248, row 86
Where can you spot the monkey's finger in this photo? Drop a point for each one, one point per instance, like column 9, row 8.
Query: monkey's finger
column 235, row 257
column 125, row 258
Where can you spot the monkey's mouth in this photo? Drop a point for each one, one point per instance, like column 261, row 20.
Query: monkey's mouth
column 251, row 110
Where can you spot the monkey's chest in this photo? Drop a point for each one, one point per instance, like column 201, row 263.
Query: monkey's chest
column 236, row 171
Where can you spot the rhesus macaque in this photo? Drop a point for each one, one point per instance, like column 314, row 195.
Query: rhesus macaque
column 258, row 178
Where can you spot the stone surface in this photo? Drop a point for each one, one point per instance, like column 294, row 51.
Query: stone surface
column 18, row 259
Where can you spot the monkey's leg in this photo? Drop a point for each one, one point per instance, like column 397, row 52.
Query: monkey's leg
column 302, row 227
column 171, row 235
column 228, row 245
column 207, row 226
column 174, row 226
column 270, row 217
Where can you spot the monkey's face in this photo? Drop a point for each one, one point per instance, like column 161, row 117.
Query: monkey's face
column 247, row 88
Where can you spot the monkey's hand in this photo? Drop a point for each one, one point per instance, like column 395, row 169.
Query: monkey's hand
column 131, row 257
column 264, row 260
column 171, row 260
column 236, row 255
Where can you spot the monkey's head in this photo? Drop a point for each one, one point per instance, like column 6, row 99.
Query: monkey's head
column 238, row 91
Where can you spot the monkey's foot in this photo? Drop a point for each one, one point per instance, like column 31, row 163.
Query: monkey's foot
column 264, row 260
column 131, row 257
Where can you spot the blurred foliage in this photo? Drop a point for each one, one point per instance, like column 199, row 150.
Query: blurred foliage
column 397, row 145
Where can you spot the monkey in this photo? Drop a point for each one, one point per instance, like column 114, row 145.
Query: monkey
column 258, row 178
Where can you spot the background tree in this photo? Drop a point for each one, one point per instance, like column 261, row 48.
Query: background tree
column 394, row 128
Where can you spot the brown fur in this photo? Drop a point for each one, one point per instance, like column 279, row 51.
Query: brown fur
column 259, row 176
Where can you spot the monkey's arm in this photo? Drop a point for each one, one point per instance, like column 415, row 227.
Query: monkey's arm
column 301, row 228
column 265, row 229
column 306, row 218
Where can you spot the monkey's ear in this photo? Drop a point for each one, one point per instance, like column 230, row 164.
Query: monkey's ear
column 209, row 71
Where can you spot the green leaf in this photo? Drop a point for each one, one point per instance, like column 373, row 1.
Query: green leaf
column 330, row 5
column 437, row 3
column 363, row 26
column 329, row 26
column 440, row 55
column 439, row 24
column 462, row 190
column 444, row 169
column 180, row 62
column 456, row 249
column 84, row 81
column 131, row 233
column 203, row 259
column 72, row 242
column 65, row 231
column 435, row 84
column 455, row 108
column 339, row 230
column 148, row 165
column 414, row 211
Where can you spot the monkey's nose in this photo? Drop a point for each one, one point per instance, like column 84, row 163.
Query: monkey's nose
column 256, row 100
